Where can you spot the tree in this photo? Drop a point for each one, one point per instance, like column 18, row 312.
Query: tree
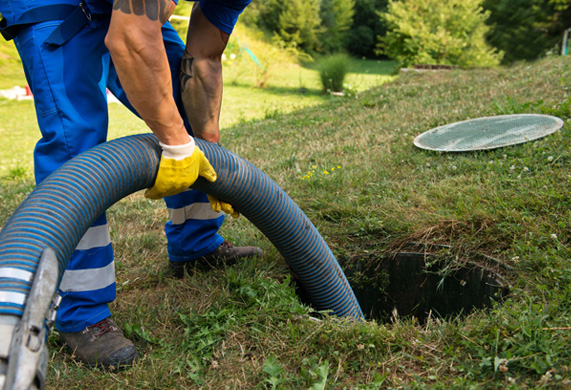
column 449, row 32
column 336, row 19
column 312, row 25
column 264, row 14
column 299, row 23
column 527, row 29
column 367, row 26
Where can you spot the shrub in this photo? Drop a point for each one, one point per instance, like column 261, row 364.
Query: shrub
column 332, row 71
column 438, row 32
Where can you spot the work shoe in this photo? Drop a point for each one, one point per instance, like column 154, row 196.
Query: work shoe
column 101, row 345
column 225, row 254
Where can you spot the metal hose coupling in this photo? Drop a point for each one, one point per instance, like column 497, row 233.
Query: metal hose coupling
column 24, row 355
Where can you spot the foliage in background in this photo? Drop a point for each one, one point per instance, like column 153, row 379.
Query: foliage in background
column 527, row 29
column 336, row 19
column 332, row 72
column 367, row 26
column 299, row 23
column 291, row 24
column 311, row 26
column 439, row 32
column 448, row 31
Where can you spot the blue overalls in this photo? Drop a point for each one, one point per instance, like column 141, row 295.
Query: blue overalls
column 68, row 72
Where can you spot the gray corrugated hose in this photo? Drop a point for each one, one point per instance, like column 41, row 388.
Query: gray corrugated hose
column 61, row 209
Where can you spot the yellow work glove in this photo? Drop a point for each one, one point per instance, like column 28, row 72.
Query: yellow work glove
column 179, row 168
column 222, row 206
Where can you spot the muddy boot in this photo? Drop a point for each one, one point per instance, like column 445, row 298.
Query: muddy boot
column 225, row 254
column 101, row 345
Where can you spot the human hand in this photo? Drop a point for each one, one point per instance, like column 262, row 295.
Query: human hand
column 218, row 206
column 179, row 168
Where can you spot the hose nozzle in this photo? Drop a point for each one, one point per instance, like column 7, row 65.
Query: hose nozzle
column 27, row 357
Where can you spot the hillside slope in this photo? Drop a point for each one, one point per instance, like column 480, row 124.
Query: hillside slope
column 351, row 165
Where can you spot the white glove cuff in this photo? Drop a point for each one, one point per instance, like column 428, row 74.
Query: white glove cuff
column 178, row 152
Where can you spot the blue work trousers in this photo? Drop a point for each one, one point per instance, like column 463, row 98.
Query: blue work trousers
column 69, row 84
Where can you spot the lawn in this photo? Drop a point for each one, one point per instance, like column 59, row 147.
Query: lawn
column 243, row 327
column 288, row 86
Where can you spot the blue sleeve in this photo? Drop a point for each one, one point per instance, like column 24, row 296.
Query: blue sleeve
column 223, row 13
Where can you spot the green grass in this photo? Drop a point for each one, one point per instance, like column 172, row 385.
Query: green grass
column 243, row 328
column 287, row 87
column 12, row 73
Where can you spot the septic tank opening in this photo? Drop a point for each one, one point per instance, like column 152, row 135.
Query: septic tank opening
column 419, row 284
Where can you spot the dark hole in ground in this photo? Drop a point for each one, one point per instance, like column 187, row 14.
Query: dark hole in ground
column 419, row 284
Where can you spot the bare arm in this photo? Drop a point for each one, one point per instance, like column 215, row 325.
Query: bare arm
column 136, row 46
column 201, row 77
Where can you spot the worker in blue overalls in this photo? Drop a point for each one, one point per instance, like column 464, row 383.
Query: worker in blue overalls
column 72, row 51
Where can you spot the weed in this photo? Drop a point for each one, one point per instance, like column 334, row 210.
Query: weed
column 320, row 174
column 274, row 371
column 18, row 172
column 332, row 72
column 203, row 334
column 322, row 372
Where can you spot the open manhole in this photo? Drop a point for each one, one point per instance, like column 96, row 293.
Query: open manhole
column 419, row 284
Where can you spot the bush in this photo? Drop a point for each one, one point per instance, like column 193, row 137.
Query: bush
column 332, row 71
column 438, row 32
